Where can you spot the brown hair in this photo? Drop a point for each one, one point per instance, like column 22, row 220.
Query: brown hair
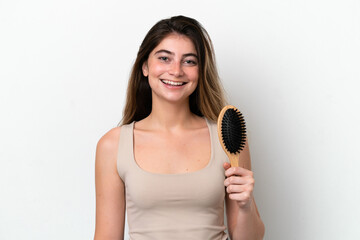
column 207, row 99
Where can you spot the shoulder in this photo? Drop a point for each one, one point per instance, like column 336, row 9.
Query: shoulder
column 109, row 141
column 107, row 148
column 212, row 124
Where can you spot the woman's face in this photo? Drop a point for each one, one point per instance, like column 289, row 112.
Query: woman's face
column 172, row 69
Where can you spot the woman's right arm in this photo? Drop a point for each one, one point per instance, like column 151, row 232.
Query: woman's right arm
column 110, row 193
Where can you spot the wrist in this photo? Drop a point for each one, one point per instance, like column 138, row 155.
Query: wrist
column 248, row 207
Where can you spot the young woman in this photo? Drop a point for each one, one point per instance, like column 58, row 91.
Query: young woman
column 164, row 163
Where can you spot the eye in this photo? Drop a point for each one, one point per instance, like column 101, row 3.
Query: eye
column 190, row 62
column 164, row 59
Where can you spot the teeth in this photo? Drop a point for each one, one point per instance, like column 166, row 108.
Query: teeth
column 172, row 83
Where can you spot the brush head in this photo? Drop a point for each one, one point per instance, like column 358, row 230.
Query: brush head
column 233, row 130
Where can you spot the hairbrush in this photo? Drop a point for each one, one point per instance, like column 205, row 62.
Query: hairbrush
column 232, row 133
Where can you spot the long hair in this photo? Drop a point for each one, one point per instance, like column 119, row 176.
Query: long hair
column 208, row 98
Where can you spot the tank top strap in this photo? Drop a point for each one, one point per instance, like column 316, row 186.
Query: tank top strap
column 219, row 153
column 124, row 154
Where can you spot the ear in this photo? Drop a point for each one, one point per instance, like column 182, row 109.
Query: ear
column 145, row 69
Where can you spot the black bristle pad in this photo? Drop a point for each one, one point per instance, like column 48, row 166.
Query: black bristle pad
column 233, row 130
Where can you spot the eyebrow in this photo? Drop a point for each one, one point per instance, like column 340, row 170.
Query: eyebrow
column 171, row 53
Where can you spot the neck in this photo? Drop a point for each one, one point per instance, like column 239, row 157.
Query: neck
column 170, row 116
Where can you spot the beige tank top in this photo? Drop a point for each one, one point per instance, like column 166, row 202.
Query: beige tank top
column 173, row 206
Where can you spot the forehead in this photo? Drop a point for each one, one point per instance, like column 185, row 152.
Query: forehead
column 176, row 43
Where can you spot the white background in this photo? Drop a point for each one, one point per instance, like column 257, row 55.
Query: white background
column 292, row 67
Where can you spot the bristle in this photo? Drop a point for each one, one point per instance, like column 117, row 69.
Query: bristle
column 233, row 130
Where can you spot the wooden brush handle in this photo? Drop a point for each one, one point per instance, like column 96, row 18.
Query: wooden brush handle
column 234, row 160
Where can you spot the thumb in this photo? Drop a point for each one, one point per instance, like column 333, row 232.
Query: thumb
column 226, row 165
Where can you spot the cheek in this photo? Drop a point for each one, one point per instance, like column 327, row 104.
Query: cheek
column 195, row 80
column 195, row 75
column 156, row 69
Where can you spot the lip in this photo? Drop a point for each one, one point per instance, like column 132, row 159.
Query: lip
column 172, row 86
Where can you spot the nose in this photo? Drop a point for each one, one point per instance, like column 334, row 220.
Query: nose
column 176, row 69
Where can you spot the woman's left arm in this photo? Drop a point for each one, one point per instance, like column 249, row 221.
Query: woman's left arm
column 243, row 218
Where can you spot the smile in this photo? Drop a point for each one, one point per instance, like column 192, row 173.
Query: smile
column 172, row 83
